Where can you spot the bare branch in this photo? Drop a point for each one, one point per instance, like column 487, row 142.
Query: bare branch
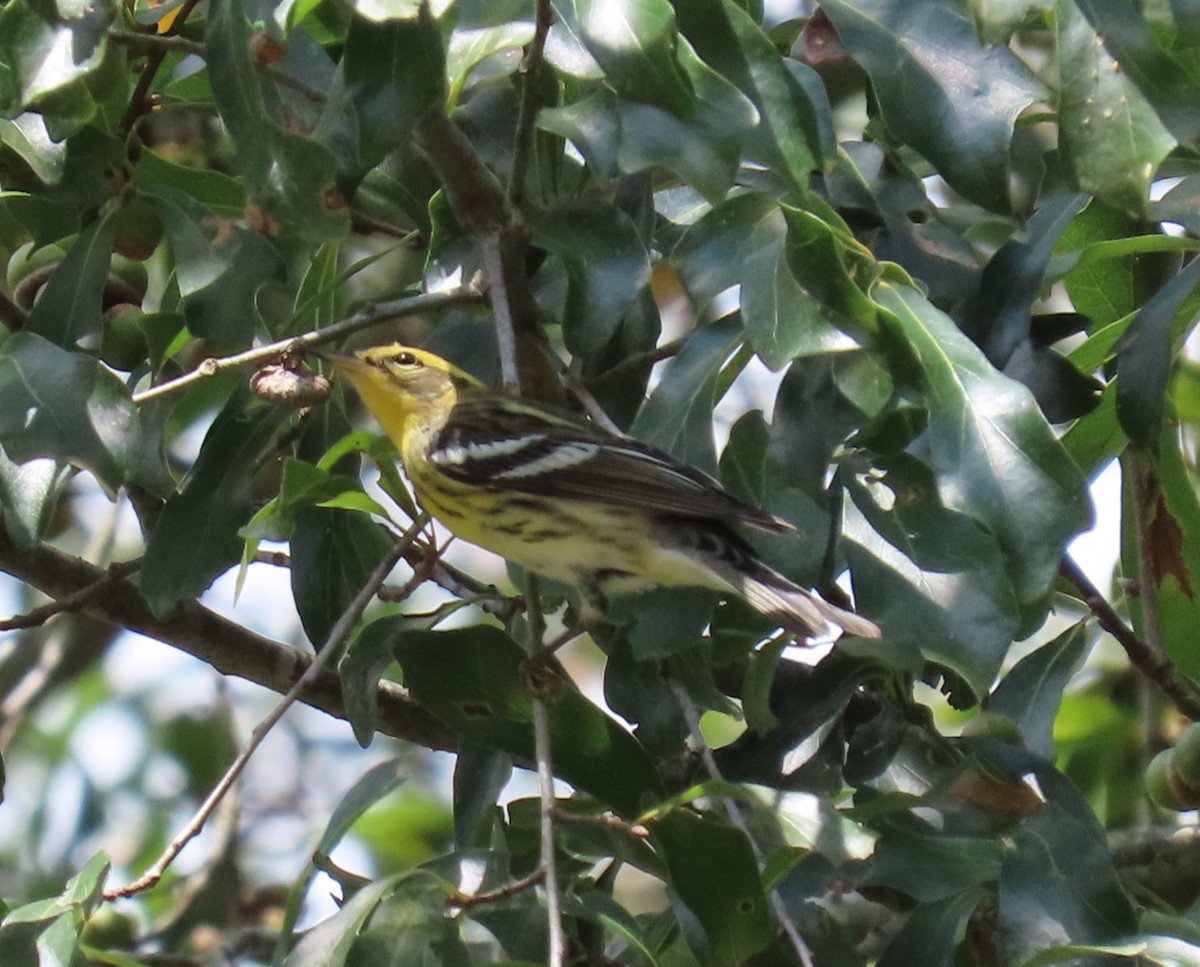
column 1150, row 662
column 548, row 805
column 227, row 646
column 464, row 901
column 332, row 647
column 367, row 316
column 734, row 813
column 71, row 602
column 531, row 66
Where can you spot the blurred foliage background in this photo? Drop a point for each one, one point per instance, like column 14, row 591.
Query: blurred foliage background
column 917, row 275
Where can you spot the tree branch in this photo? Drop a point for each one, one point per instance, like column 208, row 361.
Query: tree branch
column 531, row 66
column 223, row 644
column 325, row 654
column 1150, row 662
column 479, row 203
column 366, row 316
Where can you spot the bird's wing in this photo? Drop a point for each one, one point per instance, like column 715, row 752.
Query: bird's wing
column 558, row 456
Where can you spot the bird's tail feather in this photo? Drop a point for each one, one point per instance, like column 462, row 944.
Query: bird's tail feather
column 797, row 608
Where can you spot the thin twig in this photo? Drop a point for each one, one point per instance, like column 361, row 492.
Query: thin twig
column 1152, row 663
column 531, row 65
column 159, row 46
column 491, row 248
column 462, row 585
column 226, row 645
column 734, row 813
column 71, row 602
column 548, row 806
column 1145, row 493
column 604, row 820
column 367, row 316
column 139, row 100
column 576, row 388
column 463, row 901
column 647, row 358
column 341, row 630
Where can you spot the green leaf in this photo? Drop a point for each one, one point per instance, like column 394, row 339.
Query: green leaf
column 746, row 241
column 395, row 73
column 678, row 416
column 927, row 573
column 1145, row 358
column 66, row 406
column 471, row 679
column 930, row 866
column 219, row 193
column 1169, row 86
column 939, row 89
column 703, row 149
column 289, row 176
column 334, row 552
column 26, row 134
column 480, row 775
column 1031, row 692
column 69, row 310
column 50, row 57
column 933, row 931
column 607, row 268
column 328, row 944
column 994, row 454
column 1057, row 882
column 27, row 494
column 713, row 871
column 635, row 42
column 206, row 513
column 1111, row 136
column 219, row 266
column 787, row 137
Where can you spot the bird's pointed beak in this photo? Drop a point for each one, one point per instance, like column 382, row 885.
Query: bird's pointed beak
column 346, row 363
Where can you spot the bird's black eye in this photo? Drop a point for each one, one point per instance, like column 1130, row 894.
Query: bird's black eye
column 407, row 359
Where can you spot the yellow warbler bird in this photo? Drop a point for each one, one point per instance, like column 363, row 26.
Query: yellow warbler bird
column 562, row 497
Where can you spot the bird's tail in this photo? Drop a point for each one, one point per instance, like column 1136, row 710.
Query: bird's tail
column 797, row 608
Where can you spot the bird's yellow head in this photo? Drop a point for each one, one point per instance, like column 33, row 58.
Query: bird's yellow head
column 404, row 387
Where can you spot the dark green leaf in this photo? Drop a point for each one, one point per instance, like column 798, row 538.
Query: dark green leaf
column 49, row 57
column 634, row 41
column 933, row 931
column 1145, row 358
column 678, row 416
column 1030, row 693
column 471, row 680
column 361, row 668
column 27, row 494
column 69, row 310
column 746, row 242
column 214, row 501
column 219, row 266
column 26, row 134
column 939, row 89
column 607, row 267
column 713, row 871
column 931, row 866
column 1109, row 133
column 480, row 775
column 290, row 177
column 786, row 137
column 328, row 943
column 1057, row 882
column 1168, row 85
column 994, row 454
column 334, row 552
column 66, row 406
column 928, row 574
column 395, row 73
